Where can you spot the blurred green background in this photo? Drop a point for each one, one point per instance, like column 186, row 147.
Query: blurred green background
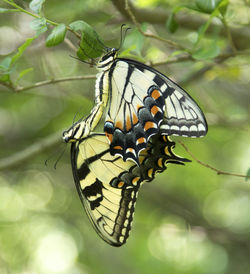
column 189, row 219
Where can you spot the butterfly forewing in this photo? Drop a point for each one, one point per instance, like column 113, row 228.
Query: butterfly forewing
column 143, row 101
column 108, row 186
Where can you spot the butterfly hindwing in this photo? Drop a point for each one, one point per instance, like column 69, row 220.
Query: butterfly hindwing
column 108, row 186
column 143, row 101
column 109, row 209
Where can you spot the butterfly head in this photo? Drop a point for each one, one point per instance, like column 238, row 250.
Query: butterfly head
column 78, row 131
column 107, row 59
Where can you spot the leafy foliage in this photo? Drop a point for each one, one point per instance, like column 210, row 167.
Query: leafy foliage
column 57, row 36
column 91, row 44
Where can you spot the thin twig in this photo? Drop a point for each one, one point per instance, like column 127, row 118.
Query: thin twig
column 48, row 82
column 240, row 34
column 170, row 42
column 70, row 44
column 229, row 35
column 175, row 60
column 219, row 59
column 219, row 172
column 39, row 17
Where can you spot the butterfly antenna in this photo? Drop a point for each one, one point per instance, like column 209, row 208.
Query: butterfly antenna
column 76, row 115
column 53, row 154
column 60, row 156
column 89, row 63
column 122, row 38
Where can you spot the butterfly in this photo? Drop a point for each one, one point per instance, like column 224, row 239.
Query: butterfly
column 108, row 186
column 139, row 101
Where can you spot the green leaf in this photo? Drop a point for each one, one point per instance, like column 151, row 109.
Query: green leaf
column 24, row 72
column 207, row 6
column 5, row 69
column 36, row 5
column 2, row 10
column 57, row 36
column 223, row 7
column 136, row 39
column 202, row 30
column 4, row 77
column 21, row 49
column 82, row 26
column 248, row 174
column 5, row 64
column 172, row 24
column 127, row 51
column 39, row 25
column 205, row 53
column 91, row 45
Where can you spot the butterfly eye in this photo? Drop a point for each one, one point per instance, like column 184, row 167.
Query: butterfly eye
column 66, row 135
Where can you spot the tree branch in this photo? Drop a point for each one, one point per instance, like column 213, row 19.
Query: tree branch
column 240, row 35
column 219, row 172
column 28, row 153
column 48, row 82
column 39, row 17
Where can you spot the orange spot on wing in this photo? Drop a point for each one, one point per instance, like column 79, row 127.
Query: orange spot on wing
column 150, row 172
column 128, row 123
column 140, row 140
column 164, row 137
column 160, row 162
column 155, row 94
column 166, row 151
column 154, row 110
column 118, row 147
column 135, row 181
column 118, row 124
column 120, row 184
column 135, row 119
column 149, row 125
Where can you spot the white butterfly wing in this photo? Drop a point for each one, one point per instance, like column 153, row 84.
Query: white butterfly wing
column 143, row 101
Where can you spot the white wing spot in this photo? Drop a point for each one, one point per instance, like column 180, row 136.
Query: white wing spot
column 193, row 128
column 121, row 239
column 201, row 127
column 184, row 128
column 174, row 127
column 163, row 87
